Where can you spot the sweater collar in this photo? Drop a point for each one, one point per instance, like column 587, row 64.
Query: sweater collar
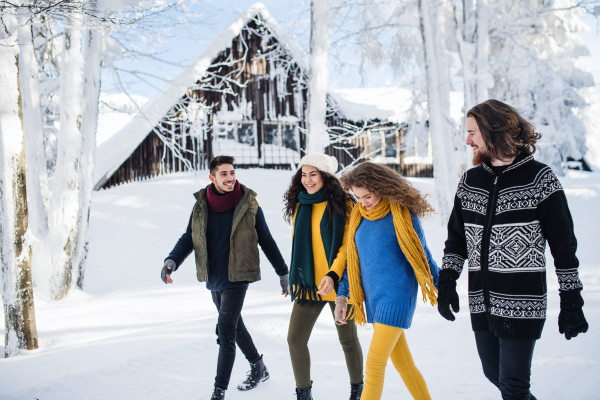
column 521, row 159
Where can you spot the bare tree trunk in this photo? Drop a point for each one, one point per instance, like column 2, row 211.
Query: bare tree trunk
column 65, row 193
column 15, row 249
column 318, row 137
column 92, row 53
column 438, row 101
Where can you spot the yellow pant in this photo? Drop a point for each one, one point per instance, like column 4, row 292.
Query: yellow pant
column 390, row 342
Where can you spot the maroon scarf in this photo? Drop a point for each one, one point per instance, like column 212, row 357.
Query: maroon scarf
column 224, row 202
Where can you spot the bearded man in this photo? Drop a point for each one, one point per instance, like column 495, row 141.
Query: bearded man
column 505, row 210
column 226, row 225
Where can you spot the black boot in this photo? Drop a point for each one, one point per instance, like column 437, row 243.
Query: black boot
column 356, row 391
column 305, row 394
column 218, row 394
column 258, row 373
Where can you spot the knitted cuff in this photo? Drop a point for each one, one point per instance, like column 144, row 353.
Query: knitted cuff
column 334, row 276
column 170, row 263
column 284, row 277
column 447, row 276
column 571, row 299
column 341, row 300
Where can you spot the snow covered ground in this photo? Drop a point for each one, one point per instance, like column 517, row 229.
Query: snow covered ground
column 129, row 336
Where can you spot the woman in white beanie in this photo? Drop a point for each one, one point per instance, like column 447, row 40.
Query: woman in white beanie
column 318, row 209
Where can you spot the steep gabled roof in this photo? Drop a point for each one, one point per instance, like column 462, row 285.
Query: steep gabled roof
column 116, row 150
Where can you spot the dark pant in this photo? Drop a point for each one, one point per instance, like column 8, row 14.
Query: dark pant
column 302, row 322
column 231, row 330
column 507, row 364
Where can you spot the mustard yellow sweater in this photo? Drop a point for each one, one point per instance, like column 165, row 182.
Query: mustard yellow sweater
column 319, row 257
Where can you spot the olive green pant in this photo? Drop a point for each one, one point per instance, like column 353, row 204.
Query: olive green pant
column 302, row 322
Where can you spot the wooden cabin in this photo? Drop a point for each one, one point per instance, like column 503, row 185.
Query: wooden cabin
column 245, row 95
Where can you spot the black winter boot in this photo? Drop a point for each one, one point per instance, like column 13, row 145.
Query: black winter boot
column 304, row 394
column 218, row 394
column 356, row 391
column 258, row 373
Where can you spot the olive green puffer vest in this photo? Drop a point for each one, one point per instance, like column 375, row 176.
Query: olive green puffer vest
column 243, row 252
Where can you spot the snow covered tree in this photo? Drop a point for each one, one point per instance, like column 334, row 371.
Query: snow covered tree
column 318, row 137
column 15, row 238
column 533, row 47
column 445, row 165
column 61, row 242
column 92, row 53
column 37, row 175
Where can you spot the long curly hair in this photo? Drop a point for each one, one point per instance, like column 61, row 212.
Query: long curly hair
column 506, row 133
column 337, row 198
column 384, row 181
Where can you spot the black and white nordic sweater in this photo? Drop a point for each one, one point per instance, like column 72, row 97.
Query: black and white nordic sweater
column 501, row 223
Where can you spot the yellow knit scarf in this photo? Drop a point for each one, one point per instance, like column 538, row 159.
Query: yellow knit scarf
column 409, row 244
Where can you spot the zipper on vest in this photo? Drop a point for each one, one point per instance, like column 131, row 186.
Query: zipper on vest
column 485, row 247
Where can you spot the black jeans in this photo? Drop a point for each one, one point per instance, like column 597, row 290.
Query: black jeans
column 231, row 330
column 507, row 364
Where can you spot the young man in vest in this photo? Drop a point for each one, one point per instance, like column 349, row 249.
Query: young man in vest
column 505, row 210
column 226, row 226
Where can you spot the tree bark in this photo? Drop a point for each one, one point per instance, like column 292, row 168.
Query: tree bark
column 318, row 136
column 92, row 53
column 15, row 249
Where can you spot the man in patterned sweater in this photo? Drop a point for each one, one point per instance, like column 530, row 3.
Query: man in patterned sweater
column 505, row 210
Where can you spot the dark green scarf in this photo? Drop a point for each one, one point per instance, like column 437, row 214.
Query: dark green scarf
column 302, row 268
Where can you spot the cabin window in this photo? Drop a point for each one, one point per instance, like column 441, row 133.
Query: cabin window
column 237, row 139
column 281, row 142
column 383, row 143
column 271, row 133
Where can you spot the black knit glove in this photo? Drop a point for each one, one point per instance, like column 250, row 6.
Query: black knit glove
column 447, row 295
column 167, row 269
column 571, row 320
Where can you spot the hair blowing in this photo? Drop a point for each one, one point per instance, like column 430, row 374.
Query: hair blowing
column 506, row 133
column 384, row 181
column 337, row 198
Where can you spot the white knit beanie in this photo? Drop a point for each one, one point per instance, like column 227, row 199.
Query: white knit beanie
column 322, row 162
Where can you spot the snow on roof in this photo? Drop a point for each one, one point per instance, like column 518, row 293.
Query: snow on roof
column 385, row 103
column 391, row 103
column 115, row 150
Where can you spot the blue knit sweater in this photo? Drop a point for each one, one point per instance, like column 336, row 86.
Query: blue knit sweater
column 388, row 279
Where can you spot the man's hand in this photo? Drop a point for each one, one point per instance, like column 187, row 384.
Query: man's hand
column 341, row 307
column 167, row 270
column 447, row 296
column 284, row 281
column 571, row 320
column 326, row 286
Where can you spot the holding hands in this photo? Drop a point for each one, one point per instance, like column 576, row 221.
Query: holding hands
column 341, row 307
column 326, row 285
column 571, row 320
column 447, row 295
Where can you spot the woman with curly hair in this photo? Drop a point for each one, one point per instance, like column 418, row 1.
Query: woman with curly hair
column 388, row 259
column 318, row 209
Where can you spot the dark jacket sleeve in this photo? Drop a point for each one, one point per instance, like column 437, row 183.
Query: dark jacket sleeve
column 455, row 251
column 557, row 227
column 268, row 245
column 183, row 248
